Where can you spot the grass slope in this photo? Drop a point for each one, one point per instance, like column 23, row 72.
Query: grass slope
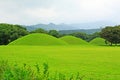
column 73, row 40
column 98, row 41
column 38, row 39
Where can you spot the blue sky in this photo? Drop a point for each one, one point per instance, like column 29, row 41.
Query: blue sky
column 59, row 11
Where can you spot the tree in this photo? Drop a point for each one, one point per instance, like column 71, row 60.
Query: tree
column 9, row 32
column 54, row 33
column 81, row 35
column 92, row 36
column 39, row 30
column 111, row 34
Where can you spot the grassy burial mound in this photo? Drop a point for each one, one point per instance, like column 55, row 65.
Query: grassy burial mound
column 74, row 40
column 98, row 41
column 38, row 39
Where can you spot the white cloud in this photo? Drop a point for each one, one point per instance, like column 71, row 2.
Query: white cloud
column 41, row 13
column 59, row 11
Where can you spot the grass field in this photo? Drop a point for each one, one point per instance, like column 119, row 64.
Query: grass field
column 95, row 62
column 74, row 40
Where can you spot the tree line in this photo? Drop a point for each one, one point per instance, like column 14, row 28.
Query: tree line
column 57, row 34
column 10, row 32
column 111, row 34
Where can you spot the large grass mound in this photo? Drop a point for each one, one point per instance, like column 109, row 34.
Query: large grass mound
column 98, row 41
column 38, row 39
column 73, row 40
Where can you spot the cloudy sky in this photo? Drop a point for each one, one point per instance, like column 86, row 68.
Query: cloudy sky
column 59, row 11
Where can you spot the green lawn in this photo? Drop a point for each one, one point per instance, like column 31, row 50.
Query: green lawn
column 73, row 40
column 97, row 62
column 38, row 39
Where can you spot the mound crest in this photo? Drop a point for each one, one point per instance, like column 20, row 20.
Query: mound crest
column 74, row 40
column 38, row 39
column 98, row 41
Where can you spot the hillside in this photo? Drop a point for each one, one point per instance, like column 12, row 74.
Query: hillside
column 73, row 40
column 38, row 39
column 98, row 41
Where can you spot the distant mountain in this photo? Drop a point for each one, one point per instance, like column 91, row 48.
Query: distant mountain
column 51, row 26
column 88, row 31
column 68, row 28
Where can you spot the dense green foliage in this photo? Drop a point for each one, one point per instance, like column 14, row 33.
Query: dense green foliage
column 39, row 30
column 73, row 40
column 54, row 33
column 10, row 72
column 38, row 39
column 9, row 32
column 111, row 34
column 83, row 36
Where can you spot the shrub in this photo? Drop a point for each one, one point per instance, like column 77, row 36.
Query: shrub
column 25, row 72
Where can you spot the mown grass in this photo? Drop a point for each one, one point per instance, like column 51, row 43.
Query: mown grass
column 74, row 40
column 38, row 39
column 98, row 41
column 96, row 62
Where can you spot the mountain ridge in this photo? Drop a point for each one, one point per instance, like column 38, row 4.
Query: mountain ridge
column 68, row 28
